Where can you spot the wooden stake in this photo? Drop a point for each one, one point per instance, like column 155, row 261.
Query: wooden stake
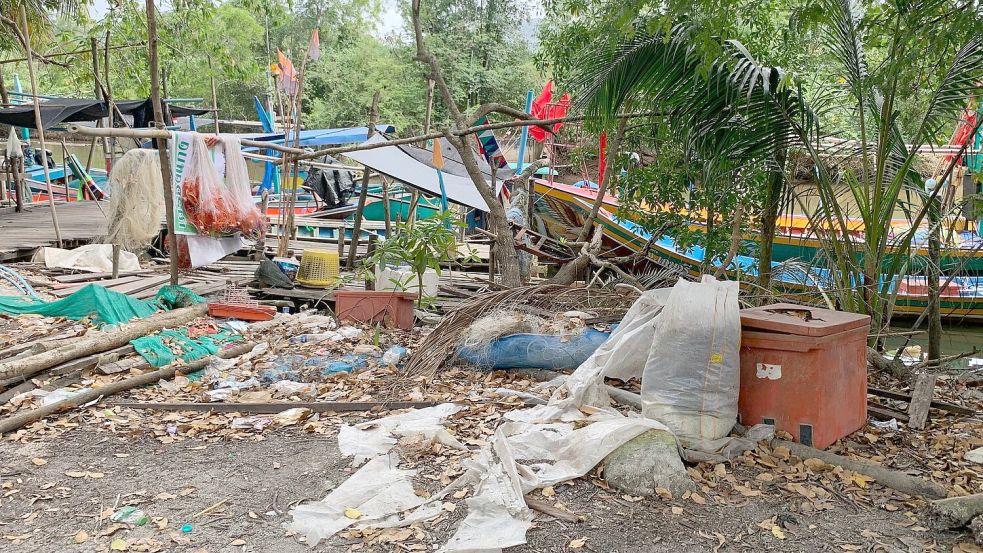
column 37, row 122
column 165, row 161
column 921, row 399
column 363, row 193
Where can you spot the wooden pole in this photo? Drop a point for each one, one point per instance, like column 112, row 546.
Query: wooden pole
column 97, row 90
column 363, row 193
column 110, row 143
column 165, row 160
column 37, row 122
column 211, row 77
column 415, row 196
column 385, row 207
column 136, row 134
column 288, row 225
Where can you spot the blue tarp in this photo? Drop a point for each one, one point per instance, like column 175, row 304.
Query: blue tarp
column 535, row 351
column 322, row 137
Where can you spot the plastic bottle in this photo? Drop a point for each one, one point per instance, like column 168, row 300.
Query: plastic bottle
column 394, row 355
column 315, row 338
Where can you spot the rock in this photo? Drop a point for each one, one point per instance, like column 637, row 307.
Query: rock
column 976, row 526
column 646, row 462
column 975, row 456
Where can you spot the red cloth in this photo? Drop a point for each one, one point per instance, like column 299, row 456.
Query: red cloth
column 543, row 107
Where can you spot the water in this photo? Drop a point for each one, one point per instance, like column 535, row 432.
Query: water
column 955, row 339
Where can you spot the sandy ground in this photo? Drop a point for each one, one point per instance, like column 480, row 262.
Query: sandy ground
column 54, row 490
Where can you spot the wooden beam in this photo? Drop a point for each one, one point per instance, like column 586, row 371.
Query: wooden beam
column 921, row 398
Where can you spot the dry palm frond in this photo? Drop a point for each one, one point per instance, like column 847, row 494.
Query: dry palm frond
column 440, row 345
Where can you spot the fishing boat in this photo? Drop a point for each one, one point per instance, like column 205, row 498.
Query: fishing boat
column 562, row 209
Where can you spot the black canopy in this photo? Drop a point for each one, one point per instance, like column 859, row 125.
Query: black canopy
column 68, row 110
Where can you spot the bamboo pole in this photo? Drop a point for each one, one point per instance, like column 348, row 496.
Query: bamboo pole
column 163, row 134
column 37, row 122
column 415, row 196
column 288, row 226
column 364, row 192
column 211, row 78
column 165, row 162
column 110, row 144
column 97, row 90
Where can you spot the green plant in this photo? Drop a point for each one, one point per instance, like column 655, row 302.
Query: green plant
column 421, row 246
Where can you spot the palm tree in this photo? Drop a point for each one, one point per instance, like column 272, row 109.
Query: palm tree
column 752, row 114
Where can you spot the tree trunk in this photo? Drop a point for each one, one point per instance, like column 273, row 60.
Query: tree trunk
column 769, row 220
column 100, row 342
column 4, row 97
column 934, row 275
column 735, row 240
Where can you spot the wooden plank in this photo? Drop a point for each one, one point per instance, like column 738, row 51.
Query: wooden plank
column 62, row 290
column 88, row 277
column 279, row 407
column 921, row 398
column 883, row 413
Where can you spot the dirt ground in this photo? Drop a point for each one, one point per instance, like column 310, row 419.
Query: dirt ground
column 58, row 491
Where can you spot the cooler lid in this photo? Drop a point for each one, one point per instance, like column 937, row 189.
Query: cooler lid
column 801, row 320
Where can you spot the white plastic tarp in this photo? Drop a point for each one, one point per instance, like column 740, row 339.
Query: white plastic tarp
column 397, row 164
column 92, row 258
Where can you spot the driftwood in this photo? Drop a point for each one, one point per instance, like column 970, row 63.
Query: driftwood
column 99, row 342
column 893, row 479
column 16, row 421
column 955, row 512
column 550, row 510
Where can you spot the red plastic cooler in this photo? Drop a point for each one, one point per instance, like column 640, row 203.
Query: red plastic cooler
column 804, row 369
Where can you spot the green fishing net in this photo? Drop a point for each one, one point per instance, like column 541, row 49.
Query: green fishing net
column 169, row 345
column 102, row 305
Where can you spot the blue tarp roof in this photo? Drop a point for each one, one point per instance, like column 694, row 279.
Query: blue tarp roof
column 323, row 137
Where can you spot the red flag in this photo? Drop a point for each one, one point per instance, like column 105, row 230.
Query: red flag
column 288, row 77
column 315, row 50
column 539, row 107
column 558, row 110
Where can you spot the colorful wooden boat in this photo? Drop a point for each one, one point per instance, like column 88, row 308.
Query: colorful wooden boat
column 562, row 211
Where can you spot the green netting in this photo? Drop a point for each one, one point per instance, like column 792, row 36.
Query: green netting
column 169, row 345
column 102, row 305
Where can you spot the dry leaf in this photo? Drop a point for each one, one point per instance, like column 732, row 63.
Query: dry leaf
column 81, row 536
column 352, row 513
column 548, row 491
column 118, row 545
column 577, row 543
column 238, row 542
column 39, row 461
column 75, row 473
column 448, row 506
column 777, row 532
column 698, row 499
column 677, row 510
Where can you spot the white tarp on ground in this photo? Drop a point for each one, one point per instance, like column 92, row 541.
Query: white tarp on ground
column 92, row 258
column 545, row 445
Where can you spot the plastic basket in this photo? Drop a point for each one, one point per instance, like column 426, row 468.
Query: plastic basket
column 318, row 268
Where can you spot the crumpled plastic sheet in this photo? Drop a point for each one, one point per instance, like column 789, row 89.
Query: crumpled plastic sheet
column 377, row 491
column 376, row 437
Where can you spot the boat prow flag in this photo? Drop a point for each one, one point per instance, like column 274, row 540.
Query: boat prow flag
column 315, row 50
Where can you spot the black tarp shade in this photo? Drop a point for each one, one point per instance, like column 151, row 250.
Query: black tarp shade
column 69, row 110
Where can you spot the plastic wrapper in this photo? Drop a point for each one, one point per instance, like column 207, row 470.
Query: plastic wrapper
column 252, row 223
column 204, row 195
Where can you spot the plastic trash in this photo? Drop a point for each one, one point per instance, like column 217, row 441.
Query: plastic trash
column 329, row 336
column 186, row 528
column 291, row 388
column 350, row 332
column 887, row 425
column 394, row 355
column 130, row 515
column 335, row 367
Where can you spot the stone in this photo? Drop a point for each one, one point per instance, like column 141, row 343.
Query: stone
column 646, row 462
column 975, row 456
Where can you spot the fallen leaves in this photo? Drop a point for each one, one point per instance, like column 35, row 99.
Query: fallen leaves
column 83, row 474
column 577, row 543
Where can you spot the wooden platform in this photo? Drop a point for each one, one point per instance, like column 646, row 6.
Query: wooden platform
column 22, row 233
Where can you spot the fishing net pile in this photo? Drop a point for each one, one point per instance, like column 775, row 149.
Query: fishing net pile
column 136, row 199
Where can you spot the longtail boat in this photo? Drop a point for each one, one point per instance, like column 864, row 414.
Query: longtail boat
column 560, row 208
